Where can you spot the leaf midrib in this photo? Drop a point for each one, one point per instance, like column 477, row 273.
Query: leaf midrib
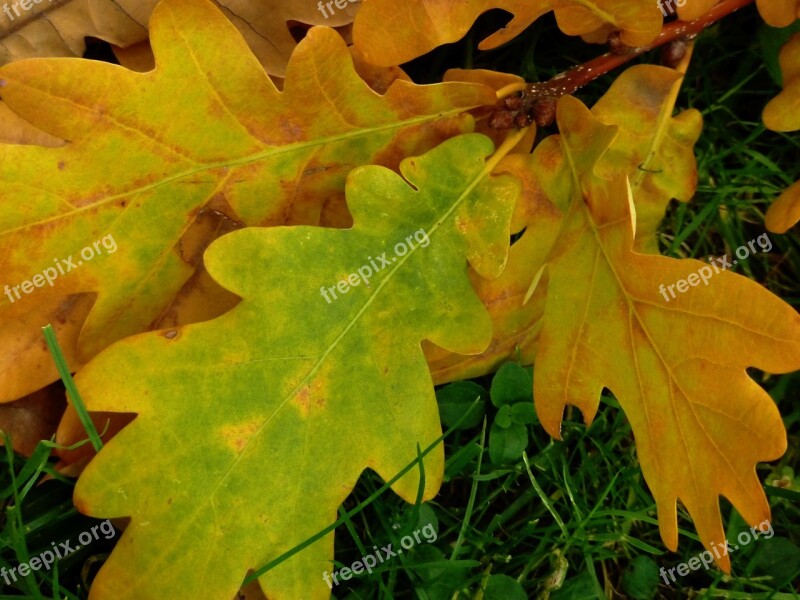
column 242, row 161
column 489, row 166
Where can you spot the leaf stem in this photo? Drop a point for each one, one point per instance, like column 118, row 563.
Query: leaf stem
column 538, row 99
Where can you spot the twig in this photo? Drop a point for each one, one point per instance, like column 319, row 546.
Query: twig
column 535, row 102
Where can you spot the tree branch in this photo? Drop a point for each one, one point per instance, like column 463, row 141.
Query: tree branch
column 535, row 102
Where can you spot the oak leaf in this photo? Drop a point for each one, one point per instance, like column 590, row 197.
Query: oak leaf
column 779, row 13
column 514, row 326
column 206, row 125
column 201, row 298
column 16, row 130
column 652, row 147
column 279, row 394
column 59, row 29
column 638, row 21
column 677, row 365
column 32, row 418
column 782, row 113
column 389, row 33
column 136, row 57
column 784, row 212
column 691, row 9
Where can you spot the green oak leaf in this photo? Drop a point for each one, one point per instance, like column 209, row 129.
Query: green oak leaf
column 252, row 428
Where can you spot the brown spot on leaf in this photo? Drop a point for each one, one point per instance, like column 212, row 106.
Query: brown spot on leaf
column 238, row 436
column 308, row 398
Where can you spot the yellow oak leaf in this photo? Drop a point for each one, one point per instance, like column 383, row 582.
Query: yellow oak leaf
column 16, row 130
column 779, row 13
column 270, row 394
column 206, row 125
column 391, row 33
column 638, row 21
column 784, row 212
column 652, row 148
column 782, row 113
column 677, row 363
column 688, row 10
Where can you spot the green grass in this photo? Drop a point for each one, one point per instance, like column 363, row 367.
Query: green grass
column 571, row 519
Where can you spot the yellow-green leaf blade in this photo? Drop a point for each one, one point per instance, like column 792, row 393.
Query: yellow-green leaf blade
column 291, row 394
column 146, row 151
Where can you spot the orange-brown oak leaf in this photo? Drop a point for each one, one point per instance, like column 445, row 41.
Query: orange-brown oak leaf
column 653, row 149
column 391, row 33
column 782, row 113
column 61, row 28
column 676, row 360
column 779, row 13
